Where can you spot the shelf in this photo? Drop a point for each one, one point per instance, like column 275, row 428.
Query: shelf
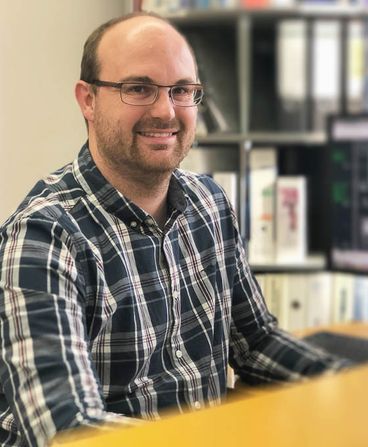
column 307, row 138
column 312, row 263
column 244, row 40
column 219, row 138
column 276, row 138
column 309, row 11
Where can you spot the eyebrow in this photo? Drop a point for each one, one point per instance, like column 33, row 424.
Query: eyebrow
column 148, row 80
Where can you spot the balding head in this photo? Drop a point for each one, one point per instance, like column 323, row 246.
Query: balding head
column 130, row 27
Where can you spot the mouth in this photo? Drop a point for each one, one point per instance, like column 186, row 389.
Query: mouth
column 159, row 137
column 158, row 134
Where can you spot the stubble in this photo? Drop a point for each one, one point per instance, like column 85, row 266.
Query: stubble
column 124, row 154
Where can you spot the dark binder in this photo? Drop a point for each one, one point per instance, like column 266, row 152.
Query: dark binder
column 348, row 166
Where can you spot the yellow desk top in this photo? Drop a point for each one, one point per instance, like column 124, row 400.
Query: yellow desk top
column 330, row 411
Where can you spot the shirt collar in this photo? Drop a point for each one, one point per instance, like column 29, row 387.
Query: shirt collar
column 103, row 194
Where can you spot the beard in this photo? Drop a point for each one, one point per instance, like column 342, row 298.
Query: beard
column 123, row 152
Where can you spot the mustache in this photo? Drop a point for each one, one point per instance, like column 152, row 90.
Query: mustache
column 156, row 123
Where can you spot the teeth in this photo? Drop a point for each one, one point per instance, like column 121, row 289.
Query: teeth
column 157, row 134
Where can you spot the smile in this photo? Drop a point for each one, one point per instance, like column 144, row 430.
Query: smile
column 158, row 134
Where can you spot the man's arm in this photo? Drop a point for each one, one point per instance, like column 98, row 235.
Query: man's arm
column 259, row 351
column 45, row 367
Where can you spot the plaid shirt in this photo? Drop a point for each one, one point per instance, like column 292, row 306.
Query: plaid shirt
column 101, row 311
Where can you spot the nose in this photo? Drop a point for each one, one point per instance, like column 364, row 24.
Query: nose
column 163, row 107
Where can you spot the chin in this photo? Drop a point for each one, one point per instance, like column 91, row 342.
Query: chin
column 163, row 164
column 162, row 168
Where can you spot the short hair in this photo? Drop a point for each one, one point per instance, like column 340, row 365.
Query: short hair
column 90, row 65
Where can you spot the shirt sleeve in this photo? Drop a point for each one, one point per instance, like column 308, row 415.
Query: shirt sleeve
column 45, row 368
column 259, row 351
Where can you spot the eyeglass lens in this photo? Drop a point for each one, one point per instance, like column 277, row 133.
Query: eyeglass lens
column 145, row 94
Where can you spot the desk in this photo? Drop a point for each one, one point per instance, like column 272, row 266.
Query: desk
column 329, row 411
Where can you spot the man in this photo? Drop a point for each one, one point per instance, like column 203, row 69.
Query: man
column 124, row 287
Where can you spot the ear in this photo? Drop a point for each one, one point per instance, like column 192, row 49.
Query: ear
column 86, row 99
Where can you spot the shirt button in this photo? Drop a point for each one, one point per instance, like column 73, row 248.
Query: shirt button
column 179, row 354
column 133, row 224
column 175, row 294
column 149, row 221
column 197, row 405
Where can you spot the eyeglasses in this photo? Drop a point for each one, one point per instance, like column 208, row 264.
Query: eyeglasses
column 141, row 94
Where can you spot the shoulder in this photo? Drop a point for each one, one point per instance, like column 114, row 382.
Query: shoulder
column 201, row 188
column 50, row 198
column 197, row 183
column 45, row 210
column 207, row 201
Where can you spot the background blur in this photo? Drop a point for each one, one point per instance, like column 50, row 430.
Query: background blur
column 41, row 127
column 273, row 72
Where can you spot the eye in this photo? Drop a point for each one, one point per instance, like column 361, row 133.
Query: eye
column 141, row 90
column 182, row 90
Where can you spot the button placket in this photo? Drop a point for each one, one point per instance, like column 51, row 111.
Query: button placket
column 150, row 222
column 176, row 341
column 174, row 277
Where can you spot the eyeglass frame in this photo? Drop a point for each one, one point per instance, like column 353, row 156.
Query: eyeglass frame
column 118, row 85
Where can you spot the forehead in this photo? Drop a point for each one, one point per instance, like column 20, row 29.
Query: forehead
column 145, row 47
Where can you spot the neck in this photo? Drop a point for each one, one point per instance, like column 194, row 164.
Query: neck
column 150, row 194
column 146, row 190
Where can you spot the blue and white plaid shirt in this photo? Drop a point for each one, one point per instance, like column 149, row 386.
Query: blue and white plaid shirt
column 101, row 311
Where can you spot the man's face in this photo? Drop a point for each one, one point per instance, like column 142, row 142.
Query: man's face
column 143, row 139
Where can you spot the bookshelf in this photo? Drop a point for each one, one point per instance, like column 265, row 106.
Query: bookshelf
column 238, row 57
column 272, row 76
column 277, row 138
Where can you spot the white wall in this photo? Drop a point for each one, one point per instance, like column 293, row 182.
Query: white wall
column 41, row 127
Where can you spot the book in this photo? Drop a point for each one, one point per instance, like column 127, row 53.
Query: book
column 326, row 63
column 262, row 282
column 158, row 6
column 360, row 312
column 305, row 300
column 262, row 180
column 228, row 180
column 319, row 299
column 355, row 66
column 276, row 297
column 291, row 219
column 282, row 3
column 291, row 48
column 255, row 4
column 228, row 4
column 365, row 39
column 201, row 4
column 342, row 297
column 285, row 296
column 263, row 98
column 295, row 297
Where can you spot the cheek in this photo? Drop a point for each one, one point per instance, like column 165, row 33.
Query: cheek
column 189, row 118
column 129, row 118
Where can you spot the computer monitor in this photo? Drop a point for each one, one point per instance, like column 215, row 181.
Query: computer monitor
column 348, row 182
